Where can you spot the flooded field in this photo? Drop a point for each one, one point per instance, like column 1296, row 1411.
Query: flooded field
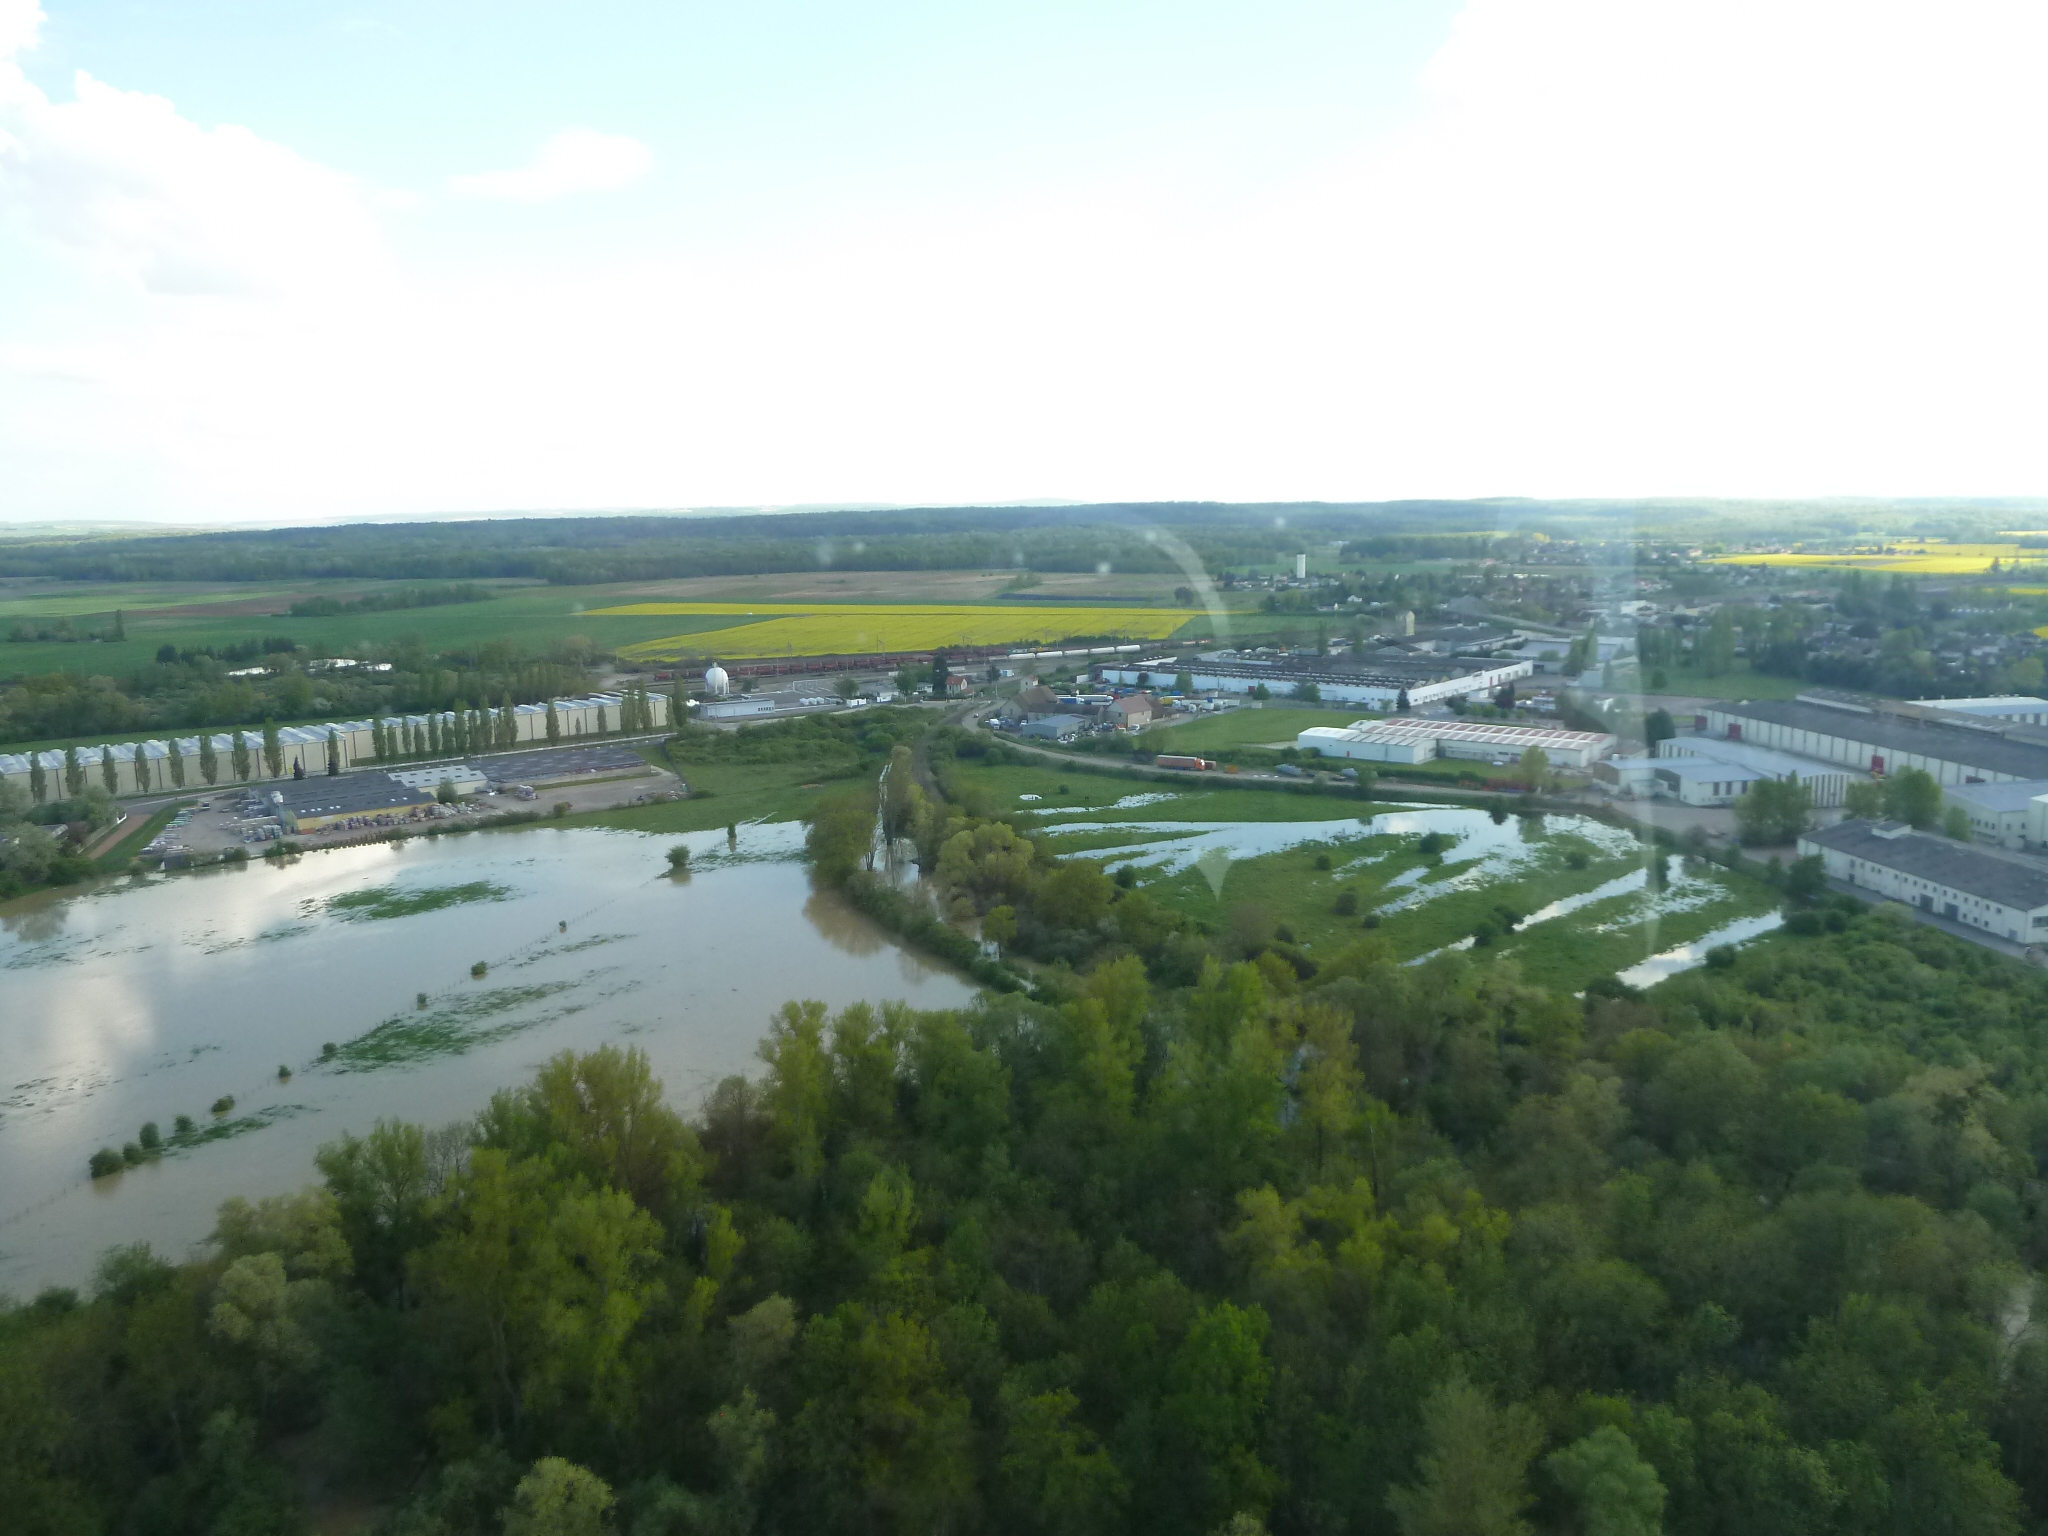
column 1579, row 890
column 143, row 1000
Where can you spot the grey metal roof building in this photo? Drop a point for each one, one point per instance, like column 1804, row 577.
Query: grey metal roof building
column 2001, row 894
column 1880, row 742
column 317, row 801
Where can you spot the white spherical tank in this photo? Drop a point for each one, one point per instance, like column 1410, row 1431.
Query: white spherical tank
column 716, row 683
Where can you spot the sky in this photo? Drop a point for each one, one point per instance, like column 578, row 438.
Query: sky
column 265, row 263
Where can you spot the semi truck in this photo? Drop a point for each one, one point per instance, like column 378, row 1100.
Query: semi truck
column 1175, row 760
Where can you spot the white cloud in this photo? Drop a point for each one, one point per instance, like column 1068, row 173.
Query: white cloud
column 1630, row 247
column 128, row 186
column 574, row 160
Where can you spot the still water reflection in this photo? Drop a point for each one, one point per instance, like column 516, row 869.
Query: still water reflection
column 139, row 1001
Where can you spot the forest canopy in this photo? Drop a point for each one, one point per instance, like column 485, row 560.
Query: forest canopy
column 1343, row 1247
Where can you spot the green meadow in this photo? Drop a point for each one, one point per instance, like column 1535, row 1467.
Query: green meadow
column 531, row 617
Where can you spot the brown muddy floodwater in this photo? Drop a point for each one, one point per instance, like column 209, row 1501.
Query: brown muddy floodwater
column 141, row 1000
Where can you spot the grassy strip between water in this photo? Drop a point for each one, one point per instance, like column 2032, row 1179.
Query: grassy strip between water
column 1080, row 790
column 455, row 1026
column 137, row 840
column 915, row 924
column 380, row 902
column 1568, row 952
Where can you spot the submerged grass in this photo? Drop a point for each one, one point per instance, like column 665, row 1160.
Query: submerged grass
column 456, row 1025
column 223, row 1130
column 387, row 901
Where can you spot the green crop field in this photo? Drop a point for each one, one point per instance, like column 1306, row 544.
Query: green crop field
column 530, row 616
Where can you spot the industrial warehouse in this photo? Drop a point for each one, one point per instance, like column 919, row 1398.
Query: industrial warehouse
column 1709, row 770
column 139, row 767
column 1989, row 891
column 1379, row 683
column 1877, row 738
column 1419, row 741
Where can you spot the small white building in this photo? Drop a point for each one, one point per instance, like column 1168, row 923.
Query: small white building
column 2002, row 894
column 736, row 707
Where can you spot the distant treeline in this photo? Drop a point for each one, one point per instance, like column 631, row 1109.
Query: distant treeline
column 391, row 602
column 579, row 550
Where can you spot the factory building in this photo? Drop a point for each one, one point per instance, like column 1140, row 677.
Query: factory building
column 1828, row 783
column 1870, row 740
column 1995, row 892
column 2015, row 708
column 1702, row 781
column 1375, row 683
column 2010, row 815
column 356, row 799
column 1419, row 741
column 145, row 766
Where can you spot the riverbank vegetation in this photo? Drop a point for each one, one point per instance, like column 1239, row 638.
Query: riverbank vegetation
column 1385, row 1248
column 37, row 848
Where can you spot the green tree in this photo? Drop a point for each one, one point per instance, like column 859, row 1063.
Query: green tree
column 110, row 771
column 1615, row 1491
column 1474, row 1466
column 238, row 755
column 38, row 780
column 1807, row 879
column 1658, row 726
column 333, row 754
column 884, row 1441
column 74, row 774
column 799, row 1087
column 1774, row 811
column 601, row 1116
column 1183, row 681
column 1534, row 766
column 174, row 760
column 559, row 1498
column 209, row 759
column 1308, row 693
column 1054, row 1467
column 1714, row 651
column 1864, row 800
column 1213, row 1410
column 1955, row 822
column 539, row 1283
column 1913, row 795
column 273, row 752
column 554, row 726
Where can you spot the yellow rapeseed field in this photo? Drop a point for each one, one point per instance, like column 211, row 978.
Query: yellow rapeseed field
column 1915, row 557
column 839, row 629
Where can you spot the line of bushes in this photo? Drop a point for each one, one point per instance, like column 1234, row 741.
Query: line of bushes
column 915, row 925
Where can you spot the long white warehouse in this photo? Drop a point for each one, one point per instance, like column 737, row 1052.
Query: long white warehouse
column 143, row 766
column 1996, row 893
column 1418, row 741
column 1879, row 742
column 1379, row 685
